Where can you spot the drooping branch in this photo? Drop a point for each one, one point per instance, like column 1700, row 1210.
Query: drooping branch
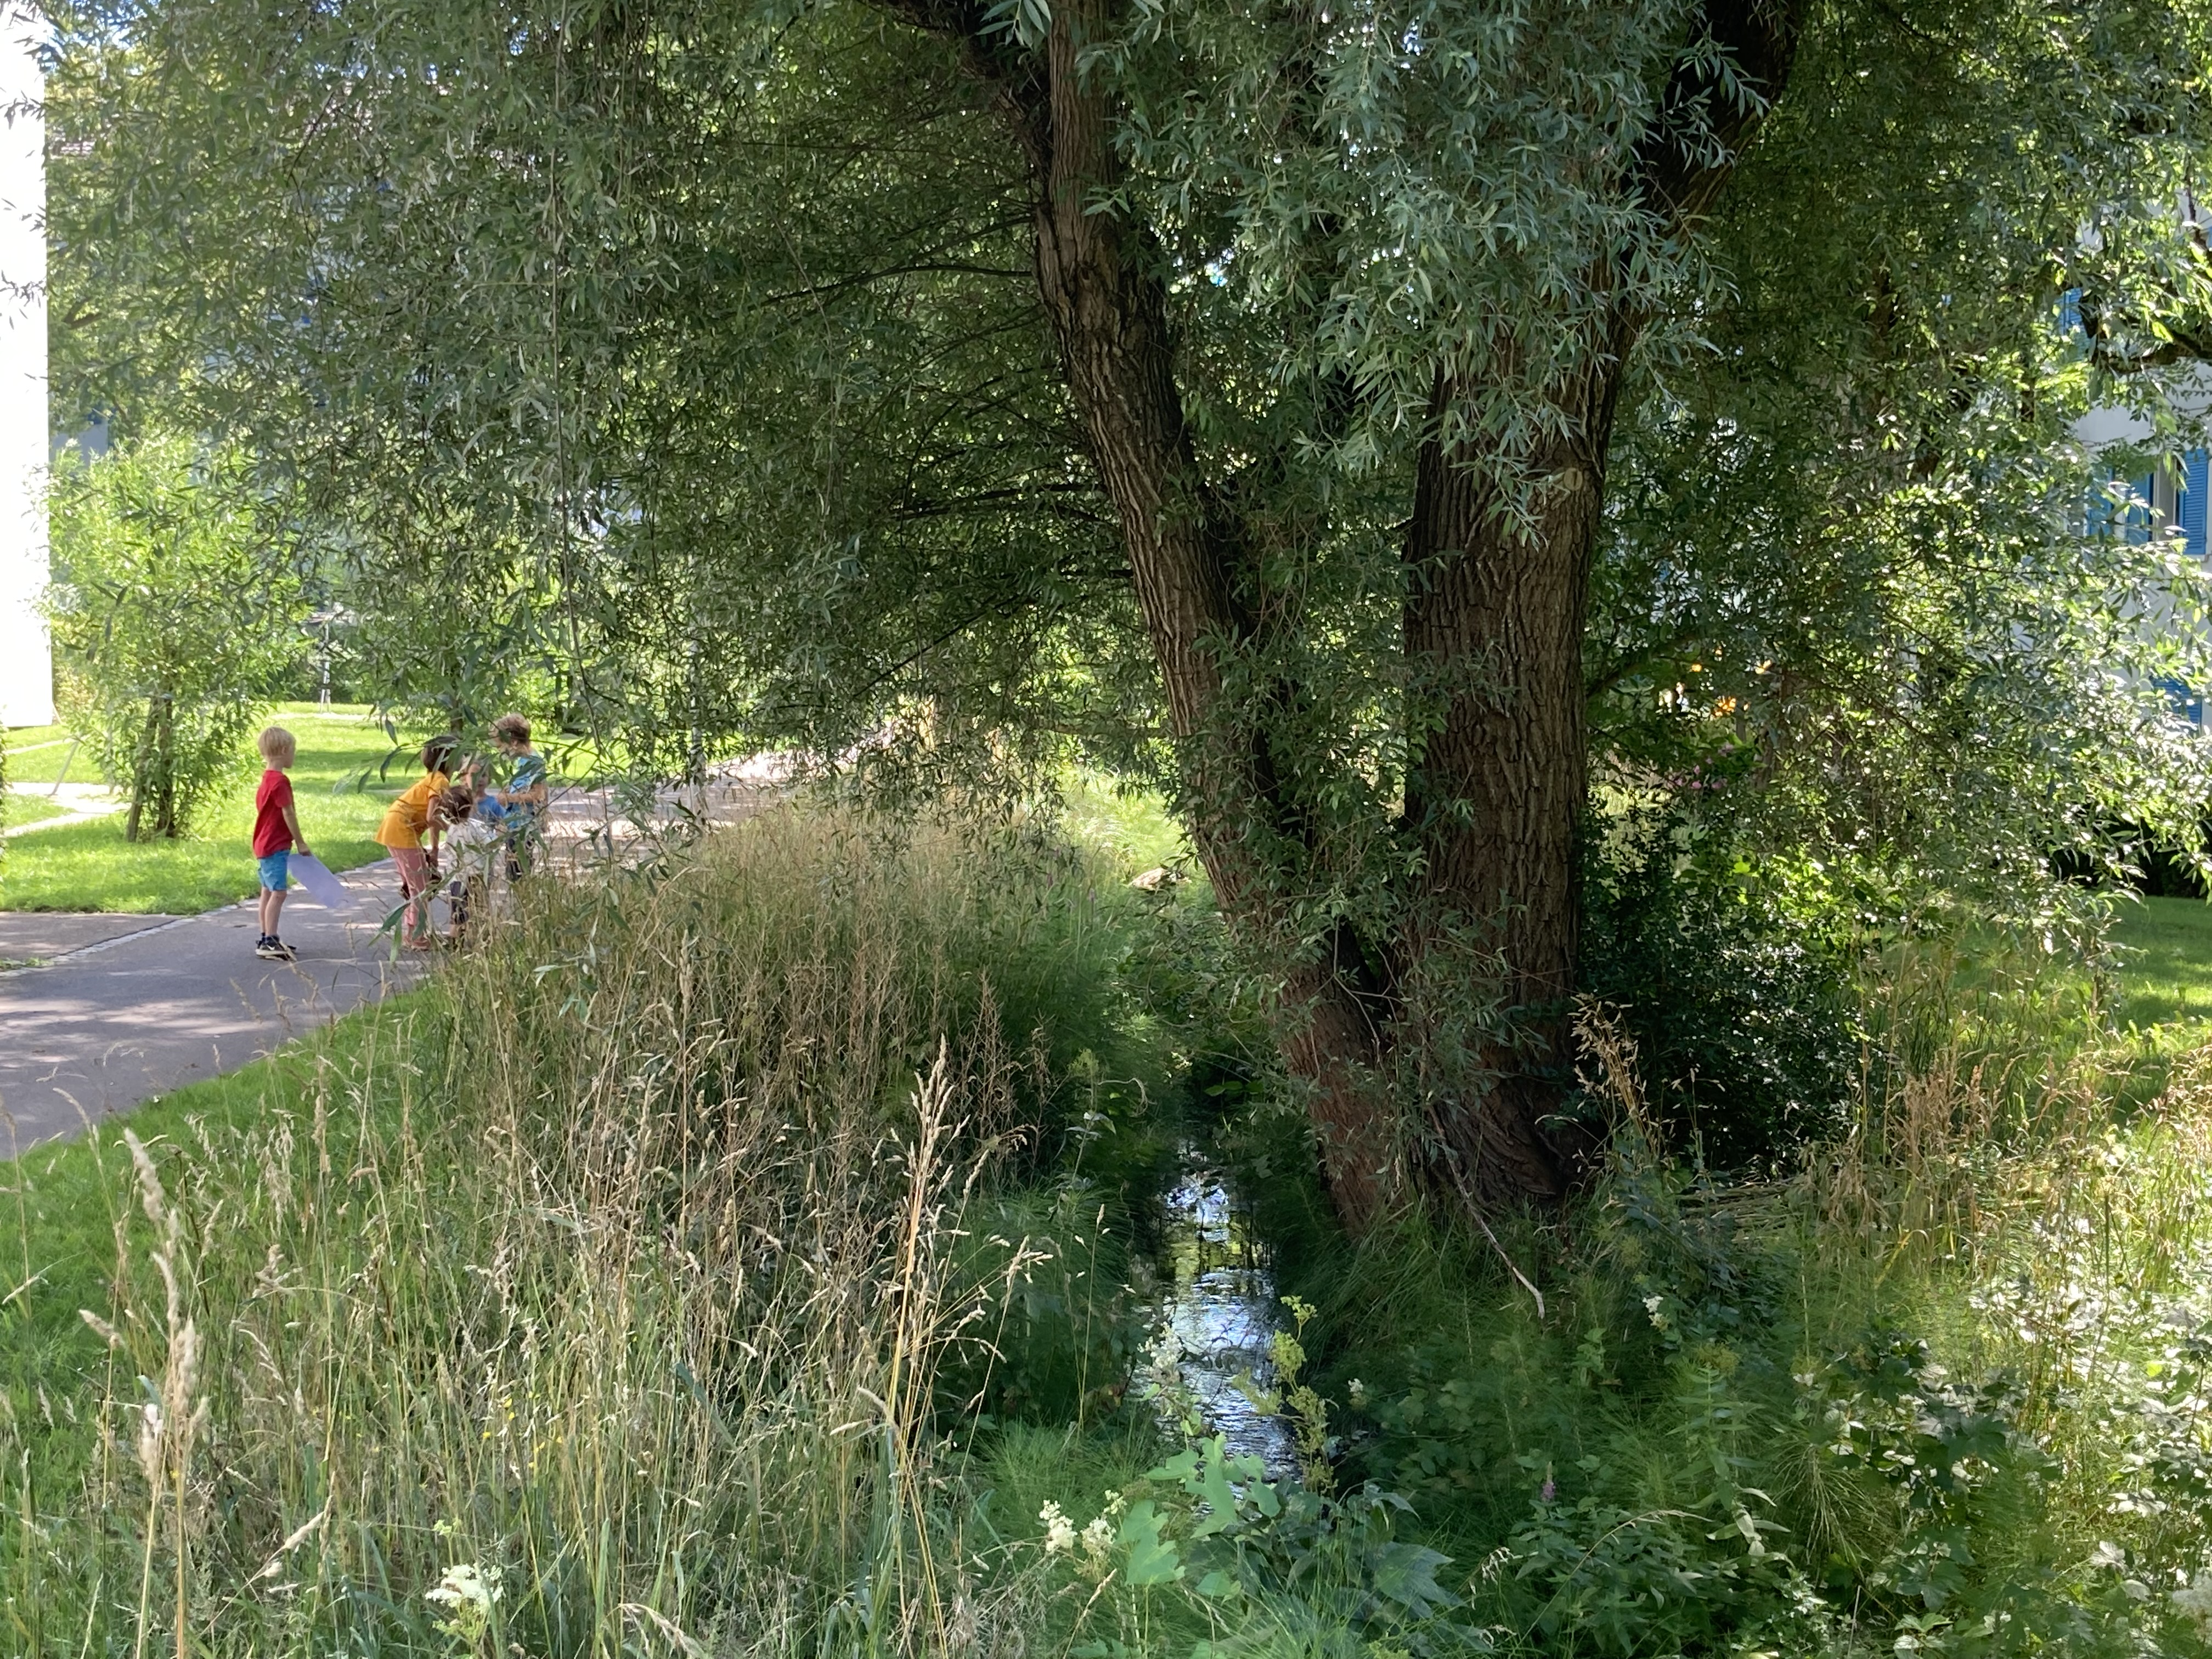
column 1190, row 558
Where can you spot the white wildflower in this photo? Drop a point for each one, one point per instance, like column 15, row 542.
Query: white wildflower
column 1058, row 1530
column 1357, row 1390
column 466, row 1592
column 465, row 1585
column 1165, row 1349
column 1115, row 1502
column 1098, row 1541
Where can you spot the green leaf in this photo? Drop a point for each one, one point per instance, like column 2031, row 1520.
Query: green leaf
column 1212, row 1489
column 1406, row 1574
column 1152, row 1559
column 1182, row 1468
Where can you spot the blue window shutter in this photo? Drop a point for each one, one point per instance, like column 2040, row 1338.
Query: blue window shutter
column 2196, row 491
column 2185, row 702
column 2139, row 515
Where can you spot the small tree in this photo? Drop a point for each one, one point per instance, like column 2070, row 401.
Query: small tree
column 175, row 619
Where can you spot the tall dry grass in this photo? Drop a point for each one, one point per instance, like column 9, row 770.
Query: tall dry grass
column 596, row 1307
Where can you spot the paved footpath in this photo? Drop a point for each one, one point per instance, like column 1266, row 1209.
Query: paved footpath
column 124, row 1008
column 119, row 1009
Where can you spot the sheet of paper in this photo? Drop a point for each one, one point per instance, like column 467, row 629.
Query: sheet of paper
column 321, row 887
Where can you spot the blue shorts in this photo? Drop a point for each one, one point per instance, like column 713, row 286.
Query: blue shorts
column 275, row 871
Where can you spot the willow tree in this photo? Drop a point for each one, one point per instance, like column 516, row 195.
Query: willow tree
column 1237, row 384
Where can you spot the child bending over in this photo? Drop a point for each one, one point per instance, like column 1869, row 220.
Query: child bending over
column 410, row 822
column 473, row 836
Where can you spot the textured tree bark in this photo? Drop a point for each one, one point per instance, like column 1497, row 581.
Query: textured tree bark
column 1493, row 627
column 1187, row 551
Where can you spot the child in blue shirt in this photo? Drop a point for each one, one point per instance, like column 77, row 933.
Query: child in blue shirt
column 522, row 802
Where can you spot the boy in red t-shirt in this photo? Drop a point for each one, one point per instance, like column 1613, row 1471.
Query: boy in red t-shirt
column 276, row 837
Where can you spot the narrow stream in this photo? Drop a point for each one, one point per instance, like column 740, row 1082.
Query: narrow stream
column 1217, row 1300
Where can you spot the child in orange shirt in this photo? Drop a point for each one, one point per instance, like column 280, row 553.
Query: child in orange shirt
column 408, row 822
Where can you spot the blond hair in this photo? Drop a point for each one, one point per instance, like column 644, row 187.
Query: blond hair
column 277, row 746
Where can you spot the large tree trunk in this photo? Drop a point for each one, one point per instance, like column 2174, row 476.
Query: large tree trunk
column 1493, row 629
column 1187, row 559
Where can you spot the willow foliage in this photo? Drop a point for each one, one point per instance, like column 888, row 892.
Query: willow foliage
column 1355, row 414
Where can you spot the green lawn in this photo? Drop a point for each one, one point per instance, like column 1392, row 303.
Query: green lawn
column 21, row 809
column 89, row 866
column 2166, row 974
column 19, row 738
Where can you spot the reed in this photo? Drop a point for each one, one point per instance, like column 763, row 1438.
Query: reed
column 596, row 1306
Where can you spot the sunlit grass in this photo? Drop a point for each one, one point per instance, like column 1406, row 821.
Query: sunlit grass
column 59, row 1207
column 346, row 772
column 16, row 738
column 617, row 1265
column 21, row 808
column 2166, row 975
column 1134, row 823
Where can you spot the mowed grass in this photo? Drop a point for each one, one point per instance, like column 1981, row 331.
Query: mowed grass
column 22, row 809
column 19, row 738
column 90, row 866
column 2165, row 968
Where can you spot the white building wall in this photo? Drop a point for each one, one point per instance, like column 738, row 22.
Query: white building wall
column 27, row 673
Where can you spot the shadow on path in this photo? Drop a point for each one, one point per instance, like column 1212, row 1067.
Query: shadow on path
column 128, row 1007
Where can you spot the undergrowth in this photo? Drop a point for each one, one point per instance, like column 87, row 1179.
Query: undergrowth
column 624, row 1297
column 1944, row 1389
column 736, row 1257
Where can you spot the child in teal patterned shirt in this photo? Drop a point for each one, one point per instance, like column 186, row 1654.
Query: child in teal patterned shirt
column 522, row 802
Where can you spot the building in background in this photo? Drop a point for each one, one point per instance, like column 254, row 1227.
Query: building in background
column 27, row 667
column 2170, row 500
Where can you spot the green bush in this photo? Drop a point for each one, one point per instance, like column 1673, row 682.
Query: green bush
column 175, row 616
column 1743, row 1021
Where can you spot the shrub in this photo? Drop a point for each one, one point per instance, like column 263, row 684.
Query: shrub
column 1937, row 1393
column 175, row 616
column 1744, row 1021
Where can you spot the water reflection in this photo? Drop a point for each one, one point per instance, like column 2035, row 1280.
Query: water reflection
column 1218, row 1303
